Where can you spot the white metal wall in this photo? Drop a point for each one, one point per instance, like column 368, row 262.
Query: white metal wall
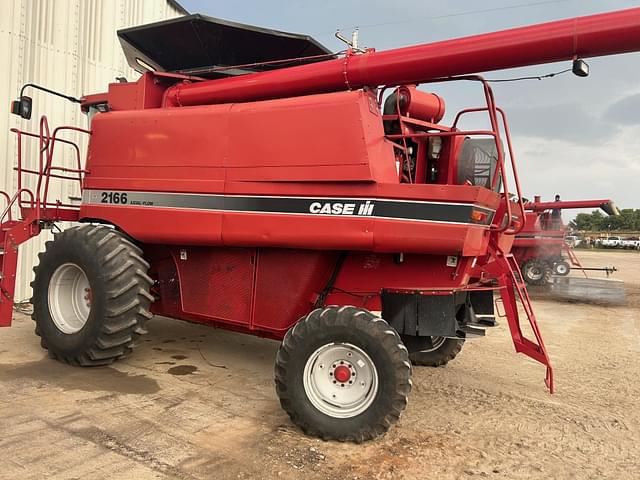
column 69, row 46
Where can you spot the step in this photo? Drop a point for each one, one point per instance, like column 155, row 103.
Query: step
column 472, row 330
column 486, row 321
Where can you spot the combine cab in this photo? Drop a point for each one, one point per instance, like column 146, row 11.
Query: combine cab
column 252, row 180
column 541, row 247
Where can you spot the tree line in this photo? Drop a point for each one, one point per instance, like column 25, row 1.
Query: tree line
column 629, row 219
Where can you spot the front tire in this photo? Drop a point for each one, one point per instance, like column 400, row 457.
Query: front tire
column 536, row 272
column 90, row 295
column 343, row 374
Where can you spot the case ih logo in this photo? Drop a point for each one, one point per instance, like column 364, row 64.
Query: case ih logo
column 338, row 208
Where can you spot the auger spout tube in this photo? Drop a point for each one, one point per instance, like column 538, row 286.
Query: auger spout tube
column 607, row 205
column 589, row 36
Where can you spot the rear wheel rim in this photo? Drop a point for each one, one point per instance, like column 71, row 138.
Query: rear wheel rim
column 69, row 298
column 436, row 343
column 561, row 269
column 340, row 380
column 535, row 272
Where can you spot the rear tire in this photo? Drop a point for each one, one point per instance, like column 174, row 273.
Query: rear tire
column 536, row 272
column 438, row 352
column 90, row 295
column 343, row 374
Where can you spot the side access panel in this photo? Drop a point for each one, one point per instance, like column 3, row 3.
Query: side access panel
column 263, row 291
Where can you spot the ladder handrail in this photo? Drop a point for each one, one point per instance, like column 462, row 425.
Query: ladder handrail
column 49, row 165
column 46, row 145
column 12, row 201
column 505, row 269
column 8, row 199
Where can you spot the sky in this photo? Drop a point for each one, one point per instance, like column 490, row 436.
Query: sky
column 578, row 137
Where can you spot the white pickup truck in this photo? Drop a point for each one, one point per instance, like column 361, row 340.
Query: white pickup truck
column 572, row 240
column 611, row 242
column 631, row 242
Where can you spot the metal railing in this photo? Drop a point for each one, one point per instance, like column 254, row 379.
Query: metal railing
column 37, row 201
column 498, row 121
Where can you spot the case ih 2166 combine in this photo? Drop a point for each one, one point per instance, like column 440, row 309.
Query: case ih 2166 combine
column 540, row 248
column 257, row 182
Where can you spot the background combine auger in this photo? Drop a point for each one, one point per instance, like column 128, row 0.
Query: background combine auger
column 231, row 188
column 540, row 247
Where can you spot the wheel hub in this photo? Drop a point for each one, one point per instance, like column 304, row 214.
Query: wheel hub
column 535, row 272
column 342, row 373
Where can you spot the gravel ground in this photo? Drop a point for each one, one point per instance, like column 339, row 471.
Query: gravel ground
column 198, row 403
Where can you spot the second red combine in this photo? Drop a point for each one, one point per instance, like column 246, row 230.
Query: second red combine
column 541, row 248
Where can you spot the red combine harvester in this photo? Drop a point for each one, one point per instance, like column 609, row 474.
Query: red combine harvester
column 257, row 182
column 540, row 247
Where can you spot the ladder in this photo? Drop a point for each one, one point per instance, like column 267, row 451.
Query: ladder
column 12, row 234
column 513, row 288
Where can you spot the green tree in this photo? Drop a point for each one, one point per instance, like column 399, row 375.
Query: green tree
column 597, row 219
column 629, row 219
column 581, row 222
column 612, row 223
column 636, row 219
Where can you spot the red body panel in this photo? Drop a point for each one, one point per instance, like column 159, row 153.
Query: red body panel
column 297, row 139
column 265, row 291
column 262, row 291
column 539, row 238
column 290, row 147
column 179, row 226
column 260, row 271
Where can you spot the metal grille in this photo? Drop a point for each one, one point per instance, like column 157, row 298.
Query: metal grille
column 477, row 162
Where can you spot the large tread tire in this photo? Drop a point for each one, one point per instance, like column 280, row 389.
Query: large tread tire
column 536, row 272
column 364, row 330
column 440, row 356
column 120, row 298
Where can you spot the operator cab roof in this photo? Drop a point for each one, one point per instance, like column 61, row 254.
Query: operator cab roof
column 203, row 46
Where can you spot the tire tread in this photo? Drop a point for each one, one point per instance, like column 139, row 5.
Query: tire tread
column 127, row 290
column 359, row 320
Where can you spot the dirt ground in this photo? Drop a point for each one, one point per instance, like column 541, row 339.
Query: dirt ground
column 198, row 403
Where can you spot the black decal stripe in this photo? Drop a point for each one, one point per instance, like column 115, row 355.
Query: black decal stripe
column 437, row 212
column 382, row 208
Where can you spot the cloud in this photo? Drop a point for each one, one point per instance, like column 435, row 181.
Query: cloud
column 625, row 111
column 579, row 171
column 569, row 122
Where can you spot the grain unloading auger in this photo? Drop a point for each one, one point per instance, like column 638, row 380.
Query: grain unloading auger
column 540, row 248
column 230, row 188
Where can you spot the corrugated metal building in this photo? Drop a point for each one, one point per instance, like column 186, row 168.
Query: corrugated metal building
column 69, row 46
